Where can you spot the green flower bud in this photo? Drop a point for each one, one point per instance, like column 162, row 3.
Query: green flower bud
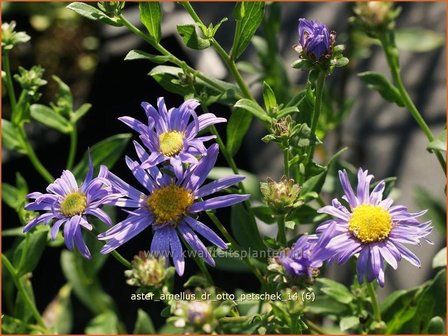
column 281, row 196
column 111, row 7
column 31, row 80
column 147, row 270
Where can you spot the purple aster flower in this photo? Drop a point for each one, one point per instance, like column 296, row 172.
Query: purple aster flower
column 372, row 227
column 314, row 38
column 67, row 204
column 170, row 205
column 306, row 255
column 172, row 135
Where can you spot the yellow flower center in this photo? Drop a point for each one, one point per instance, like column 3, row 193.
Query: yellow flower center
column 73, row 204
column 170, row 203
column 171, row 142
column 370, row 223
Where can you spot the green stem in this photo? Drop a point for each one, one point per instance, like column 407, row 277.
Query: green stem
column 224, row 151
column 165, row 52
column 317, row 107
column 73, row 144
column 33, row 157
column 315, row 327
column 375, row 304
column 392, row 60
column 231, row 65
column 121, row 259
column 234, row 244
column 9, row 85
column 23, row 292
column 286, row 160
column 281, row 234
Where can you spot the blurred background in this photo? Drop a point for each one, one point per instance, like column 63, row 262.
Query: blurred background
column 380, row 136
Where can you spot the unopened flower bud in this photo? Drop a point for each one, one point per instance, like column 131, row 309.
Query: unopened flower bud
column 111, row 7
column 374, row 13
column 199, row 312
column 314, row 39
column 147, row 270
column 281, row 196
column 31, row 80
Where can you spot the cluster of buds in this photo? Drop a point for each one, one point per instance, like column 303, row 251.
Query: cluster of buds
column 112, row 8
column 31, row 80
column 201, row 314
column 147, row 271
column 317, row 47
column 375, row 16
column 282, row 196
column 10, row 38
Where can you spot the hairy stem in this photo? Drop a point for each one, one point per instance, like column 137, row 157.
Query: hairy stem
column 316, row 113
column 33, row 157
column 375, row 304
column 73, row 144
column 9, row 85
column 230, row 63
column 23, row 292
column 389, row 46
column 281, row 234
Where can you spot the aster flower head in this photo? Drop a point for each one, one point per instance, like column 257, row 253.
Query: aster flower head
column 373, row 227
column 306, row 256
column 314, row 38
column 68, row 204
column 172, row 135
column 170, row 205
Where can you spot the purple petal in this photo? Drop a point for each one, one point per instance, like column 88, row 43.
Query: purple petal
column 55, row 228
column 193, row 240
column 408, row 255
column 176, row 251
column 134, row 124
column 218, row 202
column 39, row 219
column 199, row 173
column 70, row 228
column 348, row 191
column 160, row 244
column 205, row 232
column 363, row 263
column 218, row 185
column 101, row 215
column 81, row 245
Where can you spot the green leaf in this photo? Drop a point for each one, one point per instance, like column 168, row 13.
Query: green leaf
column 79, row 113
column 10, row 196
column 252, row 107
column 270, row 102
column 243, row 230
column 436, row 326
column 237, row 127
column 440, row 259
column 105, row 323
column 105, row 152
column 249, row 16
column 29, row 251
column 10, row 137
column 349, row 322
column 92, row 13
column 151, row 17
column 265, row 214
column 336, row 290
column 325, row 306
column 230, row 261
column 191, row 38
column 418, row 39
column 64, row 94
column 138, row 54
column 431, row 302
column 439, row 143
column 87, row 289
column 144, row 324
column 50, row 118
column 250, row 183
column 398, row 309
column 58, row 313
column 21, row 308
column 378, row 82
column 169, row 78
column 196, row 281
